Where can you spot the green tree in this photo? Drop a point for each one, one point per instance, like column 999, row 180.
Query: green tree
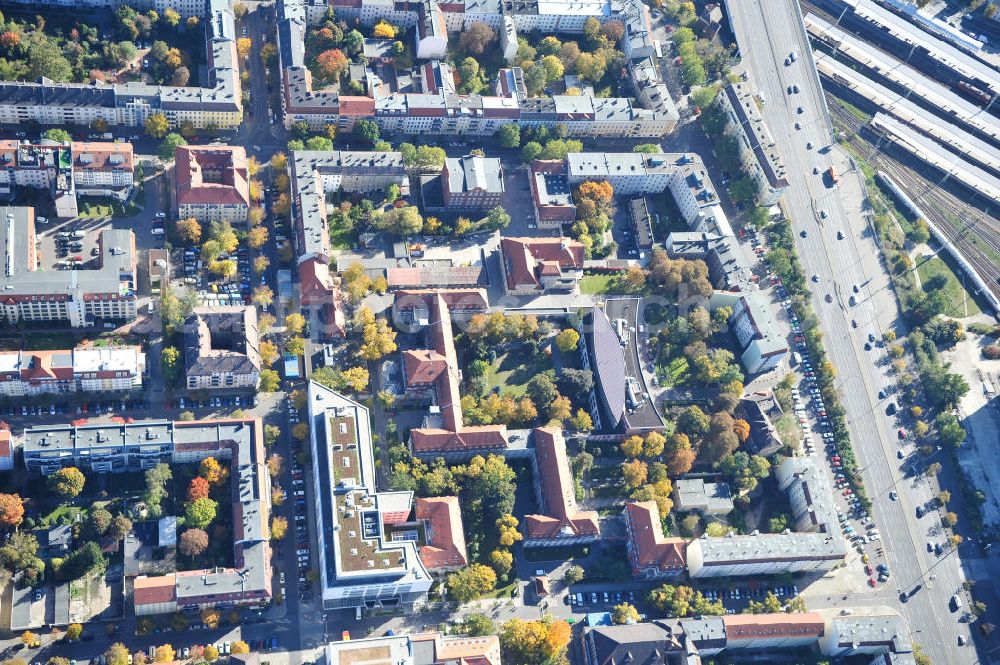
column 509, row 136
column 170, row 361
column 86, row 561
column 168, row 147
column 45, row 58
column 624, row 613
column 531, row 151
column 478, row 625
column 57, row 134
column 67, row 483
column 567, row 340
column 117, row 653
column 200, row 513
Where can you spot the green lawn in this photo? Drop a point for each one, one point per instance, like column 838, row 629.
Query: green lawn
column 597, row 284
column 676, row 373
column 341, row 237
column 787, row 427
column 960, row 301
column 59, row 512
column 511, row 373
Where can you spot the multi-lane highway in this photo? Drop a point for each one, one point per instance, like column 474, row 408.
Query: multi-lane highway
column 770, row 31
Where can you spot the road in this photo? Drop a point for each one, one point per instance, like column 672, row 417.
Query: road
column 774, row 29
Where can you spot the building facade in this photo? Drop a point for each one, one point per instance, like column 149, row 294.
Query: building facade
column 32, row 373
column 212, row 184
column 758, row 150
column 222, row 349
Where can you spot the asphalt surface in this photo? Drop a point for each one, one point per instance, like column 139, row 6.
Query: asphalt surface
column 841, row 264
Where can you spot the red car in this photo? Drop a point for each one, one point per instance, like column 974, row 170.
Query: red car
column 871, row 582
column 902, row 433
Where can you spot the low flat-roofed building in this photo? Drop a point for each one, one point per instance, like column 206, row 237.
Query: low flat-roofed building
column 359, row 565
column 418, row 649
column 651, row 554
column 533, row 266
column 561, row 521
column 704, row 498
column 443, row 533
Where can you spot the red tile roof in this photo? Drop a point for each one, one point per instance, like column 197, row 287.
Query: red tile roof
column 649, row 546
column 229, row 162
column 356, row 106
column 154, row 590
column 445, row 546
column 5, row 449
column 100, row 155
column 563, row 517
column 440, row 365
column 527, row 259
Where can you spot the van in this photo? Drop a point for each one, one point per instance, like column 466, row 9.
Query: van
column 956, row 603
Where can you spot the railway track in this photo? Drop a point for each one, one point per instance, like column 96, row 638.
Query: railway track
column 973, row 231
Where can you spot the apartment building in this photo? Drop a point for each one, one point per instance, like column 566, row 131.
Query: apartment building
column 764, row 345
column 359, row 566
column 222, row 349
column 758, row 150
column 67, row 170
column 550, row 194
column 130, row 104
column 444, row 533
column 435, row 373
column 78, row 297
column 313, row 175
column 878, row 632
column 472, row 182
column 211, row 184
column 819, row 547
column 417, row 649
column 533, row 266
column 117, row 448
column 561, row 521
column 31, row 373
column 651, row 554
column 439, row 111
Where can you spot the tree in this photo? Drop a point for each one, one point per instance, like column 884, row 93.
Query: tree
column 180, row 77
column 634, row 473
column 534, row 642
column 471, row 582
column 567, row 340
column 86, row 561
column 189, row 230
column 257, row 236
column 117, row 653
column 120, row 526
column 943, row 497
column 168, row 147
column 573, row 575
column 193, row 542
column 239, row 646
column 11, row 510
column 157, row 125
column 654, row 444
column 197, row 489
column 478, row 625
column 45, row 58
column 501, row 561
column 268, row 353
column 400, row 221
column 263, row 296
column 260, row 264
column 950, row 519
column 368, row 130
column 531, row 151
column 581, row 422
column 560, row 409
column 98, row 522
column 476, row 38
column 279, row 527
column 200, row 513
column 950, row 430
column 57, row 134
column 624, row 613
column 295, row 346
column 164, row 654
column 67, row 483
column 211, row 471
column 632, row 446
column 74, row 631
column 29, row 638
column 300, row 432
column 295, row 323
column 509, row 136
column 575, row 383
column 507, row 526
column 541, row 389
column 269, row 381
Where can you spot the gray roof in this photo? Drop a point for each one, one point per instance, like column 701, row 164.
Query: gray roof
column 866, row 630
column 657, row 643
column 474, row 172
column 696, row 494
column 607, row 364
column 221, row 340
column 114, row 276
column 751, row 123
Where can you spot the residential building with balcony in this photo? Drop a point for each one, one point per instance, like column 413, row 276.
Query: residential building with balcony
column 757, row 149
column 359, row 565
column 560, row 521
column 472, row 182
column 117, row 448
column 31, row 373
column 78, row 297
column 212, row 184
column 222, row 349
